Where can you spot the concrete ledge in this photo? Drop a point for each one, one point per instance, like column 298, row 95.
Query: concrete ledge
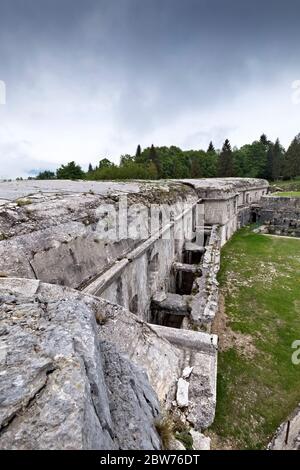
column 186, row 268
column 174, row 304
column 193, row 247
column 188, row 339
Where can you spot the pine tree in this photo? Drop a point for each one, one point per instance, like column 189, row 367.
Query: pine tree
column 211, row 148
column 277, row 160
column 225, row 164
column 90, row 168
column 291, row 162
column 138, row 152
column 274, row 161
column 264, row 140
column 270, row 159
column 152, row 154
column 153, row 157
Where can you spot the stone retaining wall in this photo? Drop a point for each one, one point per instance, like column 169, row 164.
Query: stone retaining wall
column 280, row 215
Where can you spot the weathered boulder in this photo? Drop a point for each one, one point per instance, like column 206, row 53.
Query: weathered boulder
column 200, row 442
column 145, row 347
column 175, row 444
column 61, row 385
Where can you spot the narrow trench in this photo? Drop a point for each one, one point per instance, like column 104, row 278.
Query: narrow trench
column 172, row 307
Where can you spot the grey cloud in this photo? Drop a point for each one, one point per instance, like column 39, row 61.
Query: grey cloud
column 130, row 68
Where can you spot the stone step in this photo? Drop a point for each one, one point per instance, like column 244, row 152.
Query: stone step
column 174, row 304
column 193, row 247
column 187, row 268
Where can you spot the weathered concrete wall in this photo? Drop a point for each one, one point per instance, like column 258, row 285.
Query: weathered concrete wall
column 280, row 215
column 225, row 197
column 287, row 436
column 54, row 236
column 245, row 216
column 196, row 391
column 164, row 353
column 146, row 269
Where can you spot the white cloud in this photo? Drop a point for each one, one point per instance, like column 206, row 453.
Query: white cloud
column 57, row 120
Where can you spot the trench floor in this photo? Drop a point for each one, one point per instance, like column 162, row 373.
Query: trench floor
column 258, row 321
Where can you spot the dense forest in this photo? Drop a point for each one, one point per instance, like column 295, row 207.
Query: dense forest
column 261, row 159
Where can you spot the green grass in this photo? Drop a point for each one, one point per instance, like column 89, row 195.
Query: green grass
column 288, row 185
column 288, row 194
column 185, row 438
column 260, row 277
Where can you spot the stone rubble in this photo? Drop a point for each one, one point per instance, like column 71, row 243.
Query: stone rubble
column 182, row 395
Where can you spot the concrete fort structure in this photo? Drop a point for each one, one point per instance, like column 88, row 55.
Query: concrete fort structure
column 279, row 215
column 107, row 294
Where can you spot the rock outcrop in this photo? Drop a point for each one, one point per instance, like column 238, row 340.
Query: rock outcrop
column 62, row 386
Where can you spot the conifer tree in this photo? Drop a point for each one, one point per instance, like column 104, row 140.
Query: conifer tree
column 225, row 164
column 153, row 157
column 264, row 140
column 291, row 162
column 211, row 148
column 138, row 152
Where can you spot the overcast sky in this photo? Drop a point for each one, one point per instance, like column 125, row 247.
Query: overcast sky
column 87, row 79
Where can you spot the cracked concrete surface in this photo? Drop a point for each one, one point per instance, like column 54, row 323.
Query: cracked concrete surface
column 60, row 379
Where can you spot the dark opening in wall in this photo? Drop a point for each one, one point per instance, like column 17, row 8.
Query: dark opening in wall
column 184, row 282
column 166, row 319
column 192, row 257
column 133, row 304
column 206, row 237
column 253, row 217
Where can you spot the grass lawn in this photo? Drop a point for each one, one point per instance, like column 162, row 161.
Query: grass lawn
column 258, row 386
column 288, row 185
column 288, row 194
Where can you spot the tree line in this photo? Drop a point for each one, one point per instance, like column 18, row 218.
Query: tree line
column 261, row 159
